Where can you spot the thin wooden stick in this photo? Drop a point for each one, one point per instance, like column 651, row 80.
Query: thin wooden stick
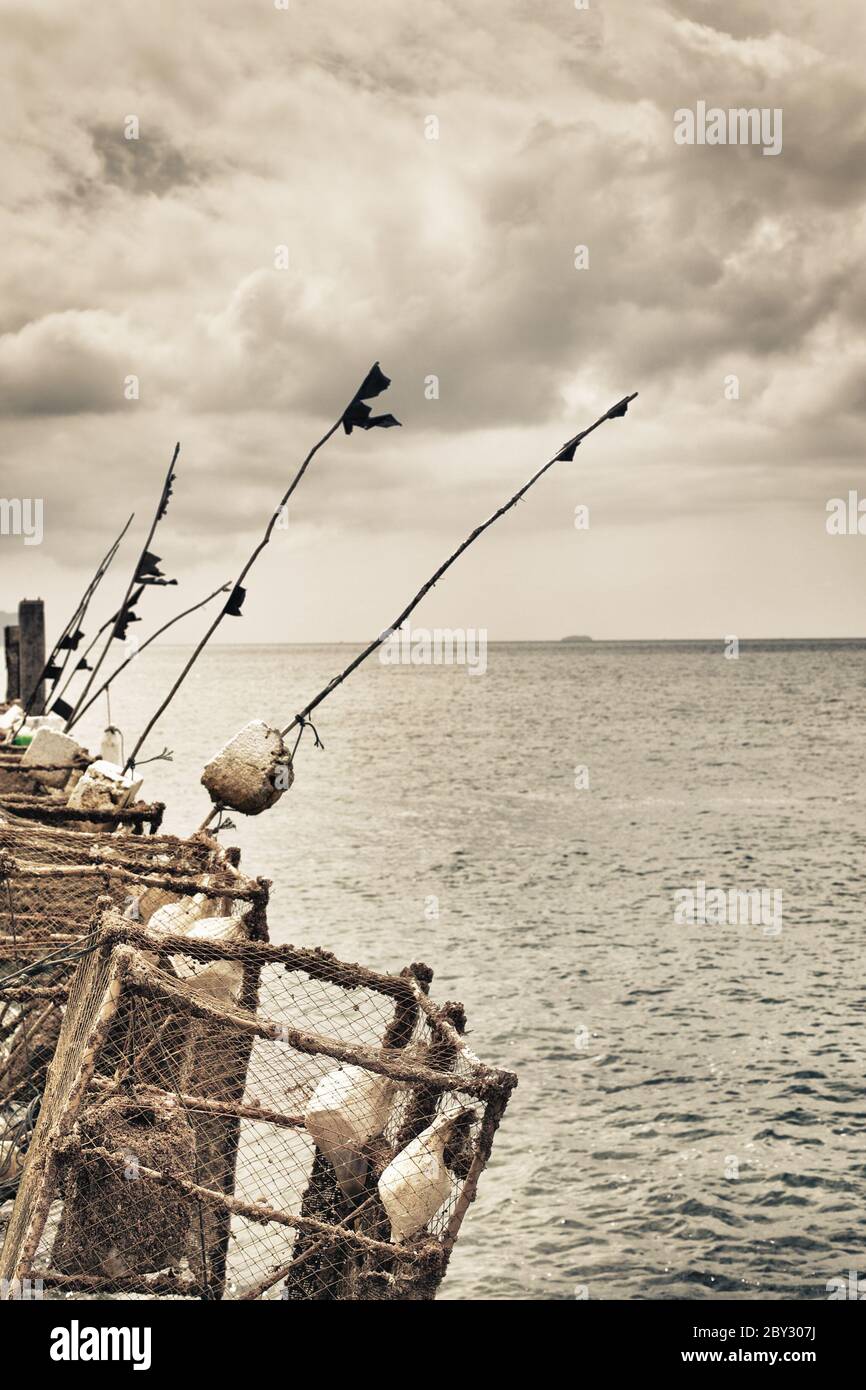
column 567, row 451
column 253, row 1211
column 77, row 618
column 160, row 630
column 202, row 1103
column 160, row 510
column 121, row 1283
column 26, row 992
column 148, row 983
column 84, row 603
column 109, row 622
column 106, row 868
column 130, row 762
column 355, row 416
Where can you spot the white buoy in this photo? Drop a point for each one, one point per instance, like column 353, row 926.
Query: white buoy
column 178, row 916
column 111, row 747
column 11, row 718
column 207, row 929
column 348, row 1108
column 223, row 980
column 417, row 1182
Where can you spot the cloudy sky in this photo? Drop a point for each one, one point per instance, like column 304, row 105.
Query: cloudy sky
column 308, row 127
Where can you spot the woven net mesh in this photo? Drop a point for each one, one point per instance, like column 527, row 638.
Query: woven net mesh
column 208, row 1115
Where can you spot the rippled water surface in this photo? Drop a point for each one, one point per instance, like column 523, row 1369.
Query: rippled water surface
column 655, row 1061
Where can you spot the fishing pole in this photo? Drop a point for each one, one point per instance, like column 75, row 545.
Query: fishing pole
column 59, row 705
column 71, row 634
column 146, row 572
column 224, row 588
column 356, row 415
column 566, row 454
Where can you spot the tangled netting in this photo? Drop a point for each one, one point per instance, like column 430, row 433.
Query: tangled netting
column 195, row 1112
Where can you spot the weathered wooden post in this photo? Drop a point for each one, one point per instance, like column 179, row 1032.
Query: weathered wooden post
column 10, row 642
column 31, row 646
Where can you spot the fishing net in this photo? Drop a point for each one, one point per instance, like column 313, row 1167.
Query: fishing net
column 221, row 1118
column 225, row 1118
column 52, row 883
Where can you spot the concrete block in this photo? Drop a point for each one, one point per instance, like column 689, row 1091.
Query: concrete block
column 51, row 746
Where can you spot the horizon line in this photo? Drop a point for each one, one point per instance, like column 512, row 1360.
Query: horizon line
column 533, row 641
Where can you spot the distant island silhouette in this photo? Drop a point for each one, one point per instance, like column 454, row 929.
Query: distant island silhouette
column 581, row 638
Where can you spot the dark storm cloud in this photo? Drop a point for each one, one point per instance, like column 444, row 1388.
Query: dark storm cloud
column 148, row 164
column 450, row 258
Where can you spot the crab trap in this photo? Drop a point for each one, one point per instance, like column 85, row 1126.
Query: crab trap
column 50, row 883
column 225, row 1118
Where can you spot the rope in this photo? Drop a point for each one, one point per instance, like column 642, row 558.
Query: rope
column 305, row 723
column 14, row 926
column 46, row 963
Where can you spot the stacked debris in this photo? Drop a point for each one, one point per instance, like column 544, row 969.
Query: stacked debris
column 47, row 776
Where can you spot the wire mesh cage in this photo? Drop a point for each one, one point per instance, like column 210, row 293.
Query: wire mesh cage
column 225, row 1118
